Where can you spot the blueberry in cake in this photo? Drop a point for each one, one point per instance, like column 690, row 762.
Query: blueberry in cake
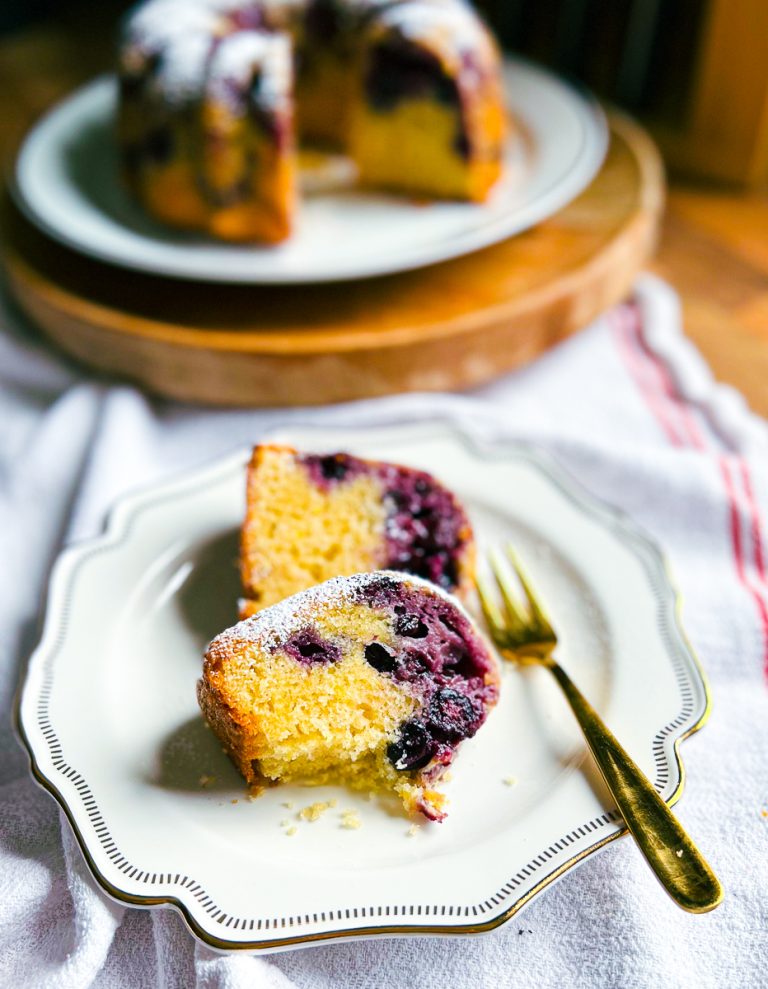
column 214, row 93
column 372, row 680
column 313, row 516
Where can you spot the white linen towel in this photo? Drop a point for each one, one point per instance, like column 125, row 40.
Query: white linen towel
column 627, row 406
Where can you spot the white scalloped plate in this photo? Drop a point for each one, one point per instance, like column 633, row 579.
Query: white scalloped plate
column 109, row 715
column 66, row 181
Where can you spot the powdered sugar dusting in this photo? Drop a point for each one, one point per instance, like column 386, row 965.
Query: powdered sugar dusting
column 153, row 24
column 451, row 23
column 184, row 34
column 239, row 56
column 181, row 33
column 274, row 625
column 183, row 66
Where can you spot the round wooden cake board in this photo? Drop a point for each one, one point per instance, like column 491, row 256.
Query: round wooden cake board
column 450, row 326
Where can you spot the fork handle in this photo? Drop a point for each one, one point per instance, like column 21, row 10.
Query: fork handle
column 678, row 864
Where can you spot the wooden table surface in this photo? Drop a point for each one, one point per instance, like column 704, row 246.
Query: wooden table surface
column 714, row 247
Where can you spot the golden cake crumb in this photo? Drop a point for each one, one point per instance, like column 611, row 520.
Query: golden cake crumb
column 291, row 831
column 350, row 820
column 509, row 780
column 206, row 780
column 412, row 831
column 437, row 800
column 321, row 535
column 288, row 804
column 316, row 810
column 234, row 800
column 284, row 823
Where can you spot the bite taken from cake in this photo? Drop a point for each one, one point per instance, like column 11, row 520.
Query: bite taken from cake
column 372, row 681
column 312, row 516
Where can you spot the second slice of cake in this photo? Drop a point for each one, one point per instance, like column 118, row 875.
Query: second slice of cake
column 311, row 516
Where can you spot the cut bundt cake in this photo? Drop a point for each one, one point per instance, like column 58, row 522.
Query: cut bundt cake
column 372, row 680
column 313, row 516
column 213, row 94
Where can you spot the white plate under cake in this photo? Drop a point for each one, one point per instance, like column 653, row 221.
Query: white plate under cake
column 66, row 181
column 162, row 815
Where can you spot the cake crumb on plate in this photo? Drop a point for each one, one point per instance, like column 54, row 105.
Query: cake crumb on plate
column 350, row 820
column 316, row 810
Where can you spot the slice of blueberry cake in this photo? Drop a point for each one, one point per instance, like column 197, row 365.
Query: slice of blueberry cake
column 314, row 516
column 372, row 680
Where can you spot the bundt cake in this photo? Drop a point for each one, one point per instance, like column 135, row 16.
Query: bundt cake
column 214, row 92
column 313, row 516
column 371, row 680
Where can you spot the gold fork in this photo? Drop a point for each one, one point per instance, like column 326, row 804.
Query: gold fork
column 523, row 633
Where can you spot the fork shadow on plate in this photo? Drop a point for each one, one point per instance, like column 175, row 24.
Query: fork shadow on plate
column 574, row 757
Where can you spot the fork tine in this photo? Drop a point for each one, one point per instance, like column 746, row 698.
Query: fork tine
column 517, row 621
column 538, row 616
column 491, row 610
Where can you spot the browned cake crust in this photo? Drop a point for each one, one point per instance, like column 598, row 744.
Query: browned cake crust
column 229, row 726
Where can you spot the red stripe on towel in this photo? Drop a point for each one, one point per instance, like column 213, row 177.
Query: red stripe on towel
column 639, row 371
column 754, row 512
column 755, row 591
column 690, row 427
column 677, row 419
